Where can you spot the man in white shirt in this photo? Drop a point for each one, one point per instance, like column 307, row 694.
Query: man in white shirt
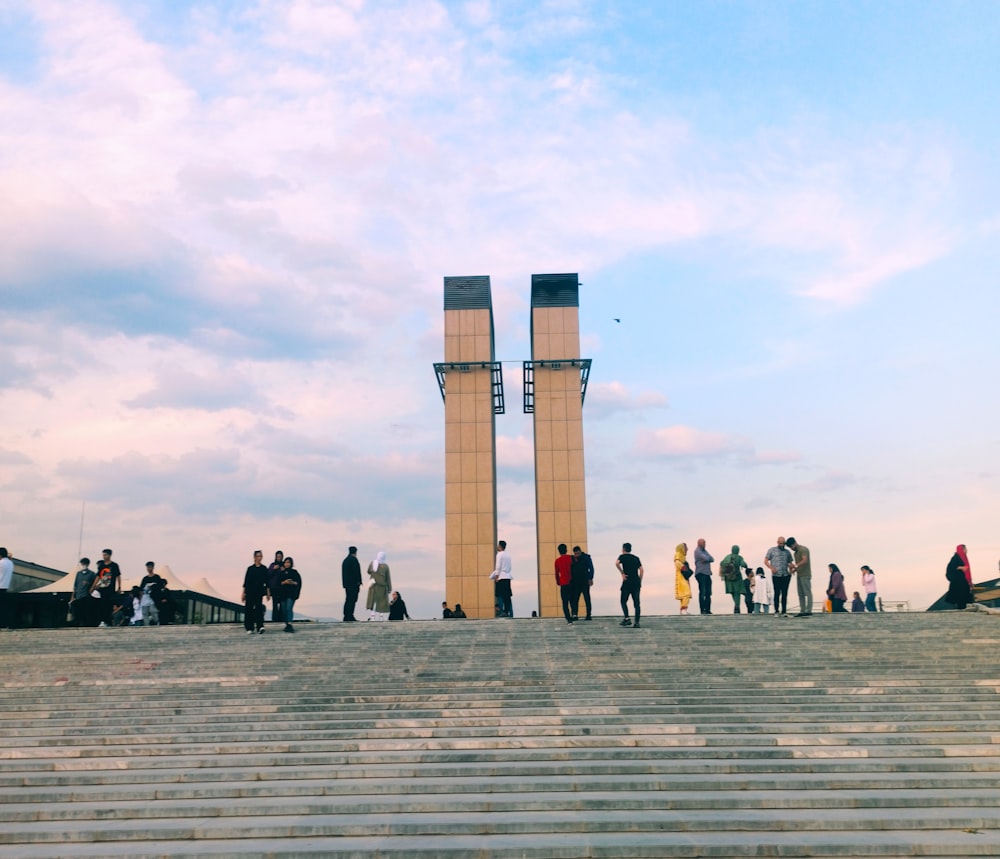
column 501, row 575
column 6, row 577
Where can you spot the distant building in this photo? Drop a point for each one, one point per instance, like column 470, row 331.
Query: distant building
column 40, row 597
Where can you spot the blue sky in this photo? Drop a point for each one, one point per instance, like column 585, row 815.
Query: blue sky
column 226, row 227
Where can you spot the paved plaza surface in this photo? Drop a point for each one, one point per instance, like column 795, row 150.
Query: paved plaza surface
column 835, row 735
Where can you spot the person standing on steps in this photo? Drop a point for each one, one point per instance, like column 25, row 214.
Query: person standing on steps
column 6, row 579
column 350, row 576
column 731, row 573
column 959, row 576
column 703, row 575
column 564, row 579
column 289, row 589
column 83, row 602
column 780, row 564
column 835, row 590
column 871, row 591
column 803, row 576
column 108, row 585
column 630, row 567
column 682, row 583
column 502, row 576
column 583, row 580
column 275, row 571
column 379, row 589
column 762, row 591
column 254, row 593
column 748, row 584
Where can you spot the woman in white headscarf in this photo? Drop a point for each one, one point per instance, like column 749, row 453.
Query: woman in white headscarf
column 378, row 591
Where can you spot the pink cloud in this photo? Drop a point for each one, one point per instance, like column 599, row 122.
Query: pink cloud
column 689, row 443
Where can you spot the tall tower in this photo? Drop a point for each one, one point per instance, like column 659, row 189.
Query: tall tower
column 555, row 383
column 471, row 386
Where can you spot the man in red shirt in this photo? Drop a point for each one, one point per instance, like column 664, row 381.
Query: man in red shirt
column 564, row 578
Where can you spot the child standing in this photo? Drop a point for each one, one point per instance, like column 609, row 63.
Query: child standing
column 136, row 607
column 763, row 591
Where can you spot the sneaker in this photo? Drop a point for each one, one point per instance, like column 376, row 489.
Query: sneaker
column 249, row 632
column 636, row 625
column 102, row 625
column 288, row 627
column 626, row 622
column 569, row 621
column 588, row 617
column 260, row 631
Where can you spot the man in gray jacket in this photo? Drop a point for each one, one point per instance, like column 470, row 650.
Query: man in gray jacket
column 703, row 574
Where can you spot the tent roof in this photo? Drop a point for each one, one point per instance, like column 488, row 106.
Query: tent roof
column 202, row 586
column 65, row 584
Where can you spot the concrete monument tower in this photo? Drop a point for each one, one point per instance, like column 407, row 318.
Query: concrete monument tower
column 555, row 384
column 471, row 386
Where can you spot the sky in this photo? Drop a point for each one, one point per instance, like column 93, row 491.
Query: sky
column 224, row 228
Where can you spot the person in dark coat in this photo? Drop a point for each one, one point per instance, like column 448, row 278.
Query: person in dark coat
column 583, row 577
column 254, row 593
column 289, row 589
column 959, row 576
column 397, row 608
column 350, row 575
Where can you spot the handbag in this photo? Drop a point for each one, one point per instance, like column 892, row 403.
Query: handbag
column 686, row 571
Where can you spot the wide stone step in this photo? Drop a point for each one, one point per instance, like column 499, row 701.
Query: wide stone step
column 485, row 822
column 495, row 801
column 680, row 789
column 885, row 845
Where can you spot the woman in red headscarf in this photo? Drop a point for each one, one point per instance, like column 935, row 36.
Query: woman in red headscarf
column 959, row 576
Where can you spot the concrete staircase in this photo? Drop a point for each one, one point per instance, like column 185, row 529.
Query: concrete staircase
column 836, row 735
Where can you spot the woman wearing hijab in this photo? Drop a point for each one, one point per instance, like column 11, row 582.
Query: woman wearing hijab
column 959, row 576
column 731, row 571
column 682, row 587
column 835, row 590
column 378, row 591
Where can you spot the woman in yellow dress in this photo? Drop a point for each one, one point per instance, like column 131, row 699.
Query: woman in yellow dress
column 682, row 587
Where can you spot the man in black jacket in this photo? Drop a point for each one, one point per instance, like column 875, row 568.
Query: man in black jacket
column 254, row 592
column 350, row 573
column 582, row 572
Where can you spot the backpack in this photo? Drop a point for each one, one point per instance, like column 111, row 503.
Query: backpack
column 728, row 570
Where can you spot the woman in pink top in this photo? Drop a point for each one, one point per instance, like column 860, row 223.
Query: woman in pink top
column 868, row 581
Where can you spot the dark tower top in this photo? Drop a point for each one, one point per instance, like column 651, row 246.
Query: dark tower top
column 555, row 290
column 467, row 293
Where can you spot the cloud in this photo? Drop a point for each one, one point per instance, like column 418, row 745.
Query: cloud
column 689, row 444
column 516, row 458
column 831, row 481
column 605, row 399
column 9, row 458
column 181, row 389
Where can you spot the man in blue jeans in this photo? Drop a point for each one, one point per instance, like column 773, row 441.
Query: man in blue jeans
column 703, row 574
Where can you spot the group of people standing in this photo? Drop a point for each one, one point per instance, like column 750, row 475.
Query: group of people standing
column 382, row 601
column 764, row 586
column 98, row 598
column 279, row 582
